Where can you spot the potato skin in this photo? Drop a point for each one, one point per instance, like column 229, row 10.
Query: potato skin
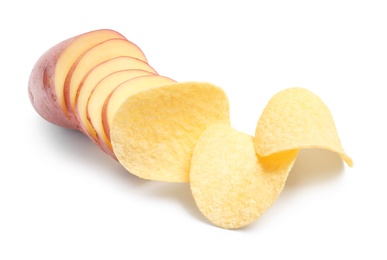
column 41, row 85
column 41, row 88
column 41, row 92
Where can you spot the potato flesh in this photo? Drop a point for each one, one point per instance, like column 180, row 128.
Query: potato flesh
column 99, row 53
column 97, row 74
column 98, row 96
column 125, row 90
column 71, row 53
column 154, row 132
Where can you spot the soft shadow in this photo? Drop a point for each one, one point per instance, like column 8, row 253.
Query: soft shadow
column 76, row 147
column 179, row 192
column 314, row 166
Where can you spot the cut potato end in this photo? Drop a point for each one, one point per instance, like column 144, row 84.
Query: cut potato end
column 99, row 53
column 154, row 132
column 70, row 54
column 231, row 186
column 97, row 98
column 97, row 74
column 125, row 90
column 41, row 87
column 296, row 118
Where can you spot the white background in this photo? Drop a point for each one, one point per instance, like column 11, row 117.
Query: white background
column 63, row 198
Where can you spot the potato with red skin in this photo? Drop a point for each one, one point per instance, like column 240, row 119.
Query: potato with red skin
column 50, row 78
column 46, row 82
column 41, row 90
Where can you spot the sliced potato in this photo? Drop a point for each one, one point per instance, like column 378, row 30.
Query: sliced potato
column 72, row 52
column 97, row 54
column 99, row 95
column 95, row 75
column 47, row 78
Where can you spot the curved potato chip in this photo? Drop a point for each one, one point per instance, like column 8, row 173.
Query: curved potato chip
column 128, row 89
column 235, row 177
column 154, row 132
column 231, row 185
column 296, row 118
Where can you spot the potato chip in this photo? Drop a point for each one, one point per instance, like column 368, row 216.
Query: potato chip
column 128, row 89
column 296, row 118
column 235, row 177
column 154, row 132
column 231, row 185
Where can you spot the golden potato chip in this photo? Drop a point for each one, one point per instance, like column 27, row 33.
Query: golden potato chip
column 296, row 118
column 154, row 132
column 234, row 177
column 231, row 185
column 128, row 89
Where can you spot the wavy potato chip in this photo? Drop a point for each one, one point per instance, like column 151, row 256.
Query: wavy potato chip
column 296, row 118
column 154, row 132
column 235, row 177
column 231, row 185
column 128, row 89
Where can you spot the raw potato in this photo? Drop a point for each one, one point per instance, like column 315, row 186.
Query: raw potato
column 154, row 132
column 95, row 75
column 46, row 83
column 230, row 185
column 99, row 53
column 296, row 118
column 97, row 98
column 125, row 90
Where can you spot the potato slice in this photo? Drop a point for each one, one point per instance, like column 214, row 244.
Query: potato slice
column 46, row 83
column 296, row 118
column 92, row 78
column 154, row 132
column 99, row 53
column 125, row 90
column 231, row 185
column 97, row 98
